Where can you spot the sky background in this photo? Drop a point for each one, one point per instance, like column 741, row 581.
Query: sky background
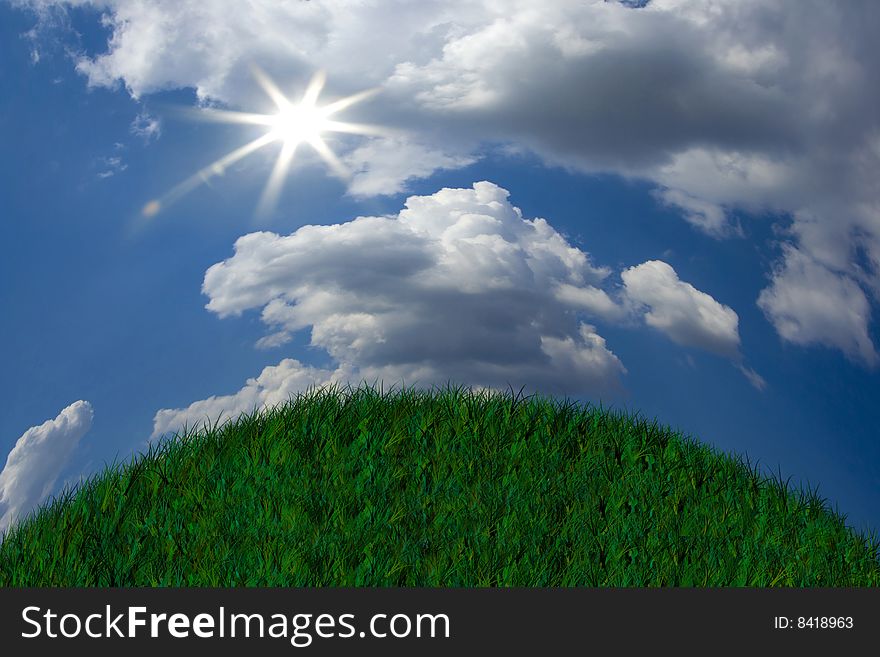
column 671, row 209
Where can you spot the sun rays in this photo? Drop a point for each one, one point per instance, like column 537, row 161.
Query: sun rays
column 295, row 124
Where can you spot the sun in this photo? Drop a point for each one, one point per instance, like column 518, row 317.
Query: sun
column 300, row 123
column 293, row 124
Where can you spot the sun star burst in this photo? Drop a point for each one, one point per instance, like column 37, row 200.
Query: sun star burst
column 294, row 124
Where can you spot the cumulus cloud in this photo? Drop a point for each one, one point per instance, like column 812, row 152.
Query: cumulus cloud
column 36, row 460
column 705, row 215
column 729, row 107
column 452, row 288
column 273, row 386
column 810, row 304
column 591, row 299
column 382, row 166
column 686, row 315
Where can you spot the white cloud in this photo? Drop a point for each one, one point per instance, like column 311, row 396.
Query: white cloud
column 146, row 127
column 756, row 380
column 273, row 386
column 686, row 315
column 382, row 166
column 111, row 166
column 728, row 106
column 453, row 288
column 591, row 299
column 273, row 340
column 37, row 459
column 809, row 304
column 705, row 215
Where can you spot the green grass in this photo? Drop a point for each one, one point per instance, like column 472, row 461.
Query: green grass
column 435, row 488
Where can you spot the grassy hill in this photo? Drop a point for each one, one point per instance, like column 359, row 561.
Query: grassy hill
column 439, row 488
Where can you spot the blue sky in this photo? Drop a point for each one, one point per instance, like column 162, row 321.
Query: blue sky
column 709, row 257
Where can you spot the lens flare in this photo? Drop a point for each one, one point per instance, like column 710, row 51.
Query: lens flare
column 302, row 122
